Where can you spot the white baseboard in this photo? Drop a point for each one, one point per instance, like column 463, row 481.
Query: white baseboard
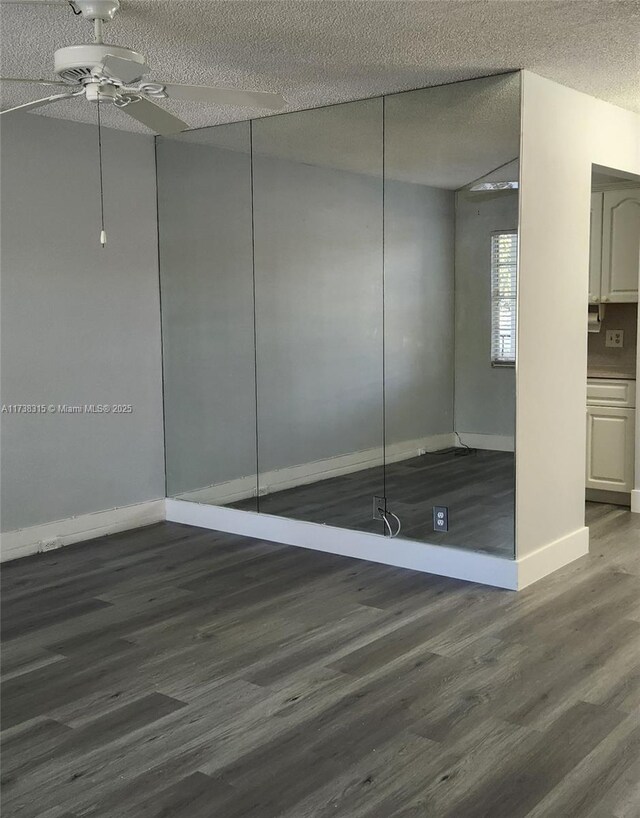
column 231, row 491
column 433, row 559
column 496, row 443
column 551, row 557
column 457, row 563
column 300, row 475
column 635, row 501
column 49, row 536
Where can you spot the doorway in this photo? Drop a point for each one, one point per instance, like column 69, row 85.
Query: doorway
column 612, row 457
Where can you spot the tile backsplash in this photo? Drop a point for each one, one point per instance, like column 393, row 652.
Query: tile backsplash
column 617, row 361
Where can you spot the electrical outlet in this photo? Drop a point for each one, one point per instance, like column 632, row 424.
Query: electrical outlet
column 50, row 545
column 379, row 503
column 614, row 338
column 440, row 518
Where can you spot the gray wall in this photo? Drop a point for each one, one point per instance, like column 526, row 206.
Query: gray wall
column 484, row 395
column 419, row 310
column 204, row 208
column 80, row 324
column 318, row 260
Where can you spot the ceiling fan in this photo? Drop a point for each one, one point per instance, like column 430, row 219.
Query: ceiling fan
column 109, row 73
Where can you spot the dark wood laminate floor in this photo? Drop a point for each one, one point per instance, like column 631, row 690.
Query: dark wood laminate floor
column 178, row 672
column 477, row 488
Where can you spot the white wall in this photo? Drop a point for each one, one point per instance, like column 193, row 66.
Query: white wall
column 563, row 133
column 485, row 395
column 80, row 324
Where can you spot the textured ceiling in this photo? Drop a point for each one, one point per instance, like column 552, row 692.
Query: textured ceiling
column 600, row 177
column 316, row 53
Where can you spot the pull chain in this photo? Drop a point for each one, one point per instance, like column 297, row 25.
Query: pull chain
column 103, row 235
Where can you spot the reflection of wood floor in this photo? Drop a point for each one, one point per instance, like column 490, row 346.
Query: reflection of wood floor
column 477, row 488
column 184, row 673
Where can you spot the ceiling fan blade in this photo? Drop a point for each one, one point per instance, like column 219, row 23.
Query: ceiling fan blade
column 32, row 81
column 225, row 96
column 125, row 70
column 153, row 116
column 37, row 103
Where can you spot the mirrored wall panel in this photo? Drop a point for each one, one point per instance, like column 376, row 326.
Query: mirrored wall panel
column 451, row 220
column 318, row 214
column 339, row 313
column 206, row 273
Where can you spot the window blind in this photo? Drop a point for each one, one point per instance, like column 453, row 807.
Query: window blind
column 504, row 262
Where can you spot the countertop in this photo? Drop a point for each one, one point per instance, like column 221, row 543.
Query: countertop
column 610, row 373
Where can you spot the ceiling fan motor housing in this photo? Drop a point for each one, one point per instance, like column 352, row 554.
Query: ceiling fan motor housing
column 75, row 63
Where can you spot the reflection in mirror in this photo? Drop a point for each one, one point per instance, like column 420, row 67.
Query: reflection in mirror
column 339, row 313
column 318, row 271
column 612, row 332
column 451, row 220
column 206, row 271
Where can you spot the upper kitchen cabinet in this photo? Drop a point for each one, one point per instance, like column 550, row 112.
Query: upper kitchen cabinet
column 595, row 249
column 620, row 257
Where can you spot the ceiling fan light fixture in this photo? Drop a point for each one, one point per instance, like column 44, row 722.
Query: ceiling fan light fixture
column 98, row 92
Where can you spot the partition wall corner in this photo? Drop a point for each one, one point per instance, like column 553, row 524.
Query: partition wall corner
column 564, row 133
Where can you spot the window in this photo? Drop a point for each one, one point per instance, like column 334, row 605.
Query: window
column 504, row 261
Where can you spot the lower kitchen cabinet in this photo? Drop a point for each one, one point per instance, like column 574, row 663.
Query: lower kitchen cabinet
column 610, row 448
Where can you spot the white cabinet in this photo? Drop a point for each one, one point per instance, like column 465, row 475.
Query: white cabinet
column 610, row 435
column 610, row 444
column 620, row 251
column 595, row 248
column 611, row 392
